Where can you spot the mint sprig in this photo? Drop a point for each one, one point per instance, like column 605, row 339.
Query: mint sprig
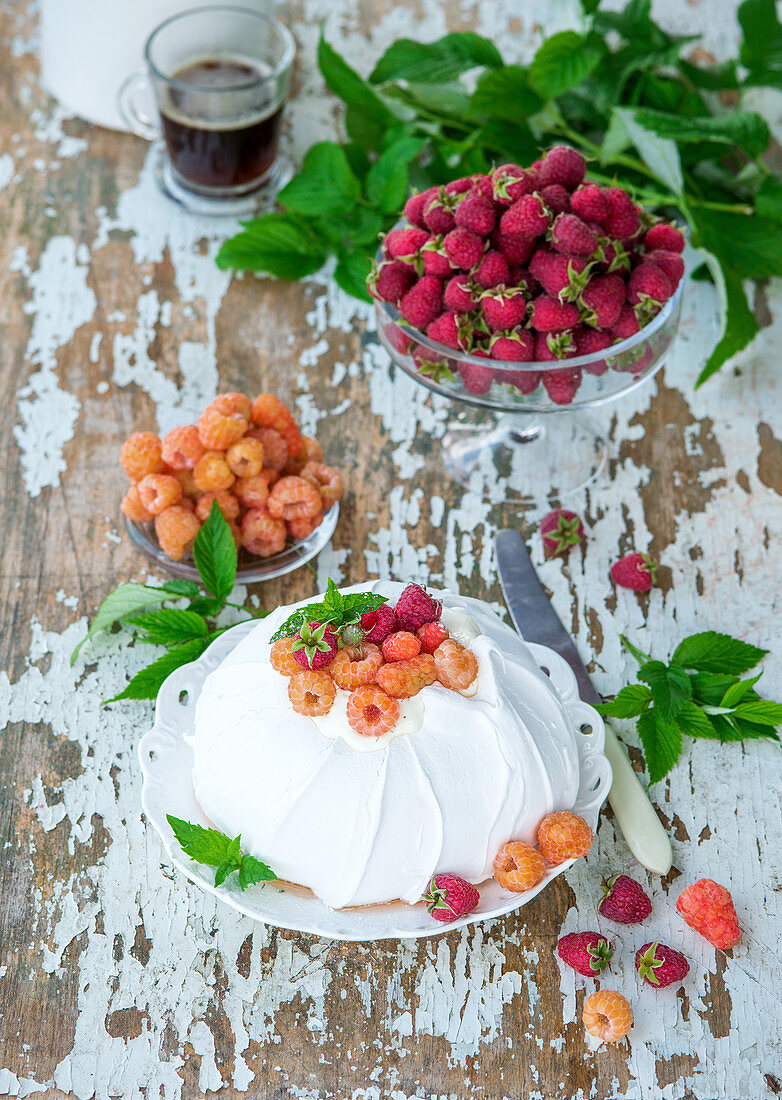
column 336, row 609
column 215, row 849
column 699, row 693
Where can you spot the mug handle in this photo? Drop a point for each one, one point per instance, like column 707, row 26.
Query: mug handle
column 133, row 115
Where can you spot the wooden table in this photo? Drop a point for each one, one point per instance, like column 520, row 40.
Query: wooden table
column 117, row 977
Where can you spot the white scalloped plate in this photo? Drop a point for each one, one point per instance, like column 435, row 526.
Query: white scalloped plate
column 166, row 764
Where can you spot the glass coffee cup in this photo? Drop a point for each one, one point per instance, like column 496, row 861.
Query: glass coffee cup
column 220, row 78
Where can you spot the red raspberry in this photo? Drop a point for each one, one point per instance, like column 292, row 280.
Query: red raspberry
column 515, row 346
column 435, row 260
column 529, row 216
column 503, row 308
column 623, row 220
column 449, row 897
column 518, row 866
column 404, row 244
column 176, row 528
column 562, row 276
column 459, row 187
column 423, row 302
column 458, row 295
column 625, row 900
column 430, row 635
column 493, row 270
column 525, row 381
column 602, row 299
column 564, row 165
column 626, row 325
column 311, row 692
column 509, row 183
column 564, row 835
column 438, row 215
column 405, row 678
column 590, row 341
column 315, row 645
column 226, row 502
column 665, row 237
column 587, row 952
column 515, row 247
column 356, row 665
column 607, row 1015
column 379, row 623
column 551, row 347
column 141, row 454
column 556, row 198
column 400, row 646
column 590, row 203
column 670, row 263
column 448, row 329
column 398, row 339
column 415, row 607
column 476, row 380
column 457, row 666
column 371, row 712
column 561, row 531
column 275, row 449
column 463, row 248
column 132, row 507
column 540, row 261
column 482, row 185
column 562, row 385
column 416, row 205
column 636, row 571
column 551, row 315
column 569, row 234
column 281, row 657
column 212, row 472
column 708, row 908
column 262, row 534
column 659, row 965
column 158, row 492
column 182, row 447
column 476, row 213
column 252, row 492
column 648, row 285
column 391, row 280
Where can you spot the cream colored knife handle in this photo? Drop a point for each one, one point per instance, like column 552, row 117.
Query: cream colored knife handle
column 635, row 815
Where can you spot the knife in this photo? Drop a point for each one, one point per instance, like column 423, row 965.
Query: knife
column 537, row 622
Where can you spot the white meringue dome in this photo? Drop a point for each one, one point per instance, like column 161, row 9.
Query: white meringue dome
column 363, row 827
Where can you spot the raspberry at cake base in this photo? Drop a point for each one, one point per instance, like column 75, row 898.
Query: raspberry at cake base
column 362, row 820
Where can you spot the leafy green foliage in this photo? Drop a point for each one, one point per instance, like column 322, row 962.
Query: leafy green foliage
column 619, row 89
column 214, row 553
column 697, row 694
column 215, row 849
column 336, row 609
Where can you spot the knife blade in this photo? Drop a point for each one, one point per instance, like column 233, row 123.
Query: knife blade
column 536, row 620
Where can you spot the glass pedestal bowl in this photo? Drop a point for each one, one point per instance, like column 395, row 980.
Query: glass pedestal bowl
column 537, row 447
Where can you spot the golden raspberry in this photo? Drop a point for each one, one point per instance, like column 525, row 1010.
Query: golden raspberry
column 371, row 712
column 133, row 508
column 607, row 1015
column 246, row 457
column 226, row 502
column 407, row 677
column 262, row 534
column 230, row 403
column 282, row 659
column 252, row 492
column 141, row 454
column 212, row 472
column 269, row 412
column 158, row 492
column 518, row 866
column 187, row 481
column 176, row 528
column 303, row 528
column 354, row 666
column 457, row 667
column 218, row 431
column 293, row 498
column 311, row 692
column 275, row 448
column 313, row 451
column 326, row 479
column 182, row 447
column 564, row 835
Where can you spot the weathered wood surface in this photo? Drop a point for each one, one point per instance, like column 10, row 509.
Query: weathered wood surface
column 117, row 977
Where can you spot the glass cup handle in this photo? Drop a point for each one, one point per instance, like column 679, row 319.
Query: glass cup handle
column 133, row 114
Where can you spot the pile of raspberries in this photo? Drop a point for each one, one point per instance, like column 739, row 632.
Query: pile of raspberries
column 526, row 265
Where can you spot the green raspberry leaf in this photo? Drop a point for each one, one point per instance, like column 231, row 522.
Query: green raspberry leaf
column 206, row 605
column 214, row 552
column 562, row 62
column 387, row 179
column 714, row 652
column 169, row 626
column 671, row 687
column 352, row 89
column 662, row 744
column 762, row 712
column 147, row 683
column 181, row 588
column 739, row 690
column 639, row 654
column 692, row 721
column 435, row 62
column 631, row 701
column 283, row 245
column 325, row 185
column 123, row 601
column 351, row 273
column 504, row 94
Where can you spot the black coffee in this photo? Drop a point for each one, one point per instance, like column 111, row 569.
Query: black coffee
column 222, row 131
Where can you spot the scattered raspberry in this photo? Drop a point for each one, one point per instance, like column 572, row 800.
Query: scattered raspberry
column 141, row 454
column 562, row 276
column 356, row 665
column 510, row 182
column 562, row 164
column 602, row 300
column 493, row 270
column 636, row 571
column 401, row 645
column 371, row 712
column 463, row 248
column 176, row 528
column 430, row 635
column 622, row 220
column 245, row 458
column 293, row 498
column 590, row 203
column 423, row 302
column 275, row 449
column 402, row 679
column 550, row 315
column 226, row 502
column 529, row 216
column 182, row 447
column 449, row 897
column 475, row 378
column 458, row 295
column 569, row 234
column 708, row 908
column 659, row 965
column 561, row 531
column 503, row 308
column 404, row 244
column 158, row 492
column 262, row 534
column 564, row 835
column 587, row 952
column 252, row 492
column 416, row 205
column 648, row 285
column 457, row 667
column 518, row 866
column 435, row 260
column 326, row 479
column 212, row 472
column 607, row 1015
column 415, row 607
column 663, row 236
column 311, row 693
column 626, row 325
column 670, row 263
column 379, row 623
column 625, row 900
column 217, row 431
column 516, row 346
column 476, row 213
column 133, row 509
column 315, row 645
column 515, row 247
column 556, row 198
column 281, row 657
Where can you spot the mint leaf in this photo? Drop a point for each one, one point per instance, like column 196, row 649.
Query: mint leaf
column 505, row 94
column 736, row 692
column 760, row 711
column 181, row 588
column 224, row 869
column 201, row 844
column 351, row 89
column 335, row 609
column 738, row 324
column 386, row 184
column 662, row 744
column 435, row 62
column 169, row 626
column 251, row 870
column 214, row 553
column 147, row 683
column 325, row 185
column 714, row 652
column 562, row 62
column 283, row 245
column 123, row 601
column 671, row 687
column 631, row 701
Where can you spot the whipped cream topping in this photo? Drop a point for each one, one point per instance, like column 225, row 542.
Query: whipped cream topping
column 364, row 824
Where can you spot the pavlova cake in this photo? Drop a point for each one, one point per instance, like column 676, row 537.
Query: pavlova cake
column 385, row 742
